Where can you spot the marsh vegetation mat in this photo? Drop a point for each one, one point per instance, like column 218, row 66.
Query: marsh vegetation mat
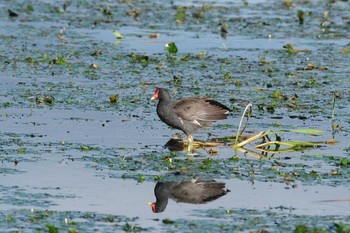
column 81, row 146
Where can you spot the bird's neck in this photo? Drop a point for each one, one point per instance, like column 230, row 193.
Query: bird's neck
column 164, row 102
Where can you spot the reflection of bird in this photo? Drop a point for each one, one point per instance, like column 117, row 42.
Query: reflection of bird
column 193, row 191
column 188, row 114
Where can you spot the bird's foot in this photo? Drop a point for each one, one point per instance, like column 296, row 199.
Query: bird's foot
column 191, row 152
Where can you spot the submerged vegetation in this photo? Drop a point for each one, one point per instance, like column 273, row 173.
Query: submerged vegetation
column 76, row 80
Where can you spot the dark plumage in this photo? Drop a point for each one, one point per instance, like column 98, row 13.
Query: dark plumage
column 193, row 191
column 188, row 114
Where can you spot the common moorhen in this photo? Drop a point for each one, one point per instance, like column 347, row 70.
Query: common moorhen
column 192, row 191
column 188, row 114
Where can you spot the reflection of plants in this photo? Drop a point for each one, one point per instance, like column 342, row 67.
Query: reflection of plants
column 335, row 127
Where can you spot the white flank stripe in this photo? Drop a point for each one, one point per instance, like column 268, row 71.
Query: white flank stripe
column 181, row 120
column 197, row 123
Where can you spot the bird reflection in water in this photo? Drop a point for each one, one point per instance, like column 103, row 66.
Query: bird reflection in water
column 193, row 191
column 177, row 144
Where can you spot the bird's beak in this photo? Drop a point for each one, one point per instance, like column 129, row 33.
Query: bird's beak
column 155, row 96
column 153, row 205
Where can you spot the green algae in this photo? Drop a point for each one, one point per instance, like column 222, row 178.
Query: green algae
column 59, row 56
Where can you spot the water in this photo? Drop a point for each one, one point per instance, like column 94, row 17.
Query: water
column 83, row 156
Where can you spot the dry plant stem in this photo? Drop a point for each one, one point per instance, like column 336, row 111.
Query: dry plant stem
column 240, row 123
column 207, row 144
column 248, row 118
column 251, row 139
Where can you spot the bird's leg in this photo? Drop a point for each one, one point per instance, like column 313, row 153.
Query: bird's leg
column 190, row 144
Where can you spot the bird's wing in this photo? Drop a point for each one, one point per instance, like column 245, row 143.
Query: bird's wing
column 198, row 192
column 185, row 192
column 200, row 109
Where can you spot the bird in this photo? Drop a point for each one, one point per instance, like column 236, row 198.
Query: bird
column 193, row 191
column 188, row 114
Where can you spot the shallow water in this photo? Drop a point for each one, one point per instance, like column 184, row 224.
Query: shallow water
column 91, row 161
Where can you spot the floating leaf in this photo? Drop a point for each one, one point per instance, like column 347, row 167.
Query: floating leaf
column 60, row 60
column 168, row 221
column 21, row 150
column 342, row 228
column 345, row 51
column 138, row 58
column 31, row 60
column 238, row 83
column 180, row 14
column 135, row 12
column 202, row 54
column 107, row 11
column 96, row 52
column 141, row 178
column 12, row 13
column 110, row 218
column 176, row 79
column 307, row 131
column 296, row 145
column 311, row 66
column 300, row 16
column 49, row 99
column 130, row 228
column 171, row 48
column 200, row 12
column 72, row 230
column 85, row 148
column 94, row 66
column 224, row 28
column 30, row 8
column 344, row 162
column 278, row 95
column 227, row 75
column 229, row 211
column 118, row 35
column 114, row 98
column 52, row 228
column 288, row 4
column 291, row 50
